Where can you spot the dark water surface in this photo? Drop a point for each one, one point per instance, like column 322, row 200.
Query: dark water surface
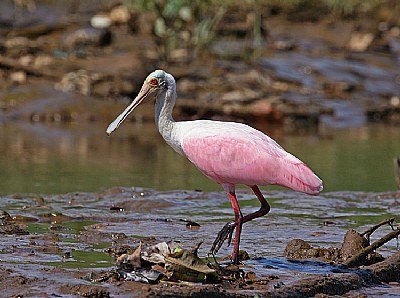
column 40, row 158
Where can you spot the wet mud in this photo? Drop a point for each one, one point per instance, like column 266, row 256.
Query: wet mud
column 67, row 244
column 308, row 75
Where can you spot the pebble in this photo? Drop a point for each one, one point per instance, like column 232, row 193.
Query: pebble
column 359, row 42
column 18, row 77
column 42, row 60
column 88, row 36
column 16, row 42
column 100, row 21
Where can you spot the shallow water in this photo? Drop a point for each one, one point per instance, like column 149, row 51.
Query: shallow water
column 322, row 220
column 82, row 225
column 40, row 158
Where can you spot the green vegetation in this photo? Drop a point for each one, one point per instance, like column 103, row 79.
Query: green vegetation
column 185, row 28
column 182, row 24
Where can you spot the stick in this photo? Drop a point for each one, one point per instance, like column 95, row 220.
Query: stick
column 360, row 257
column 341, row 283
column 369, row 232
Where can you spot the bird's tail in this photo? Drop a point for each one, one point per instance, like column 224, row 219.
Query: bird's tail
column 301, row 178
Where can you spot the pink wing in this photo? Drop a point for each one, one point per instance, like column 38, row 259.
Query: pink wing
column 232, row 153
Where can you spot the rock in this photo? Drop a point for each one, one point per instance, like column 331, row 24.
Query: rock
column 43, row 60
column 100, row 21
column 26, row 60
column 284, row 45
column 244, row 95
column 8, row 226
column 78, row 81
column 359, row 41
column 300, row 249
column 353, row 242
column 18, row 77
column 88, row 36
column 17, row 42
column 395, row 101
column 85, row 290
column 296, row 248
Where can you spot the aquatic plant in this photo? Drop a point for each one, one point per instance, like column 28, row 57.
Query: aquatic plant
column 181, row 24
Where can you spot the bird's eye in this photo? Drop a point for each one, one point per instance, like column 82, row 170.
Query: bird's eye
column 153, row 82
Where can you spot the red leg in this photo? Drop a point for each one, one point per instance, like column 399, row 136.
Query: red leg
column 264, row 209
column 228, row 229
column 238, row 225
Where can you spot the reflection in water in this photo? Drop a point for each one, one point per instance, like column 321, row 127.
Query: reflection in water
column 35, row 158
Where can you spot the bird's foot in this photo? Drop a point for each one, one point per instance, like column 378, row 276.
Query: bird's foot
column 226, row 232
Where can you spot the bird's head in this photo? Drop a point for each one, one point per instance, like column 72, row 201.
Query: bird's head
column 153, row 84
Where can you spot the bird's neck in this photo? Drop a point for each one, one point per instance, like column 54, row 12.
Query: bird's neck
column 163, row 113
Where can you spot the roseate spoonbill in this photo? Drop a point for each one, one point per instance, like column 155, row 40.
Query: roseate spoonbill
column 227, row 152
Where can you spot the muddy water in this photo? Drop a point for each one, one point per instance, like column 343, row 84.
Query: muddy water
column 40, row 158
column 72, row 230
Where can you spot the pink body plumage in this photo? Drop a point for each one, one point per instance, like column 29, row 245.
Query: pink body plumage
column 231, row 153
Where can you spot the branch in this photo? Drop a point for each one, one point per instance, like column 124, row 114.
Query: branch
column 360, row 257
column 369, row 232
column 341, row 283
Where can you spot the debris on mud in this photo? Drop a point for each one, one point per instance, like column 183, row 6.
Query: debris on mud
column 356, row 249
column 72, row 247
column 164, row 261
column 85, row 291
column 169, row 263
column 8, row 225
column 356, row 252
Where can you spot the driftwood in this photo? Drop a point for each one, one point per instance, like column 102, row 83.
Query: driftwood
column 357, row 253
column 362, row 254
column 372, row 229
column 341, row 283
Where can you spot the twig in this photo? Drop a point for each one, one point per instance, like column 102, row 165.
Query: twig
column 341, row 283
column 369, row 232
column 360, row 257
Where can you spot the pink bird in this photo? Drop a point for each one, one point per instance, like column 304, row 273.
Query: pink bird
column 227, row 152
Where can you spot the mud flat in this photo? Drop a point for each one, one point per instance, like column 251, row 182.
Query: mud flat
column 62, row 244
column 322, row 72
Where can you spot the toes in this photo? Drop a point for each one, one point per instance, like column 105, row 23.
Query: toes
column 231, row 229
column 226, row 232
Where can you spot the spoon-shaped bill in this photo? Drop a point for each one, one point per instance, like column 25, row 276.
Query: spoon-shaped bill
column 144, row 92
